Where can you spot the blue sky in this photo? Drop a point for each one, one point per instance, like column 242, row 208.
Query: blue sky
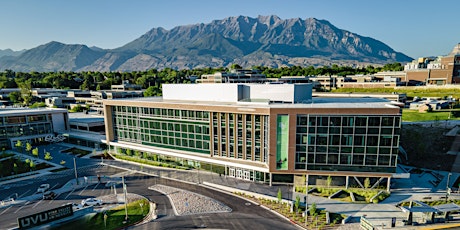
column 416, row 28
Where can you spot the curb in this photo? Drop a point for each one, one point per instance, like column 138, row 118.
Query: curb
column 251, row 201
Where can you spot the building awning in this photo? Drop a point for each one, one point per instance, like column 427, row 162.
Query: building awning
column 447, row 207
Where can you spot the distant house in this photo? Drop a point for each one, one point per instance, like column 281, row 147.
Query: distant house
column 429, row 104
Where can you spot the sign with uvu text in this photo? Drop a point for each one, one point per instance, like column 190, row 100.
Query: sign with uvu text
column 44, row 217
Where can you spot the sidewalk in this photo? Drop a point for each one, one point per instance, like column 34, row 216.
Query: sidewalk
column 416, row 187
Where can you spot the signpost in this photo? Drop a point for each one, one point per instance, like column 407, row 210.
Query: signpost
column 44, row 217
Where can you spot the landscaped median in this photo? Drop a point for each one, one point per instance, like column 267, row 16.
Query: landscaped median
column 348, row 195
column 113, row 218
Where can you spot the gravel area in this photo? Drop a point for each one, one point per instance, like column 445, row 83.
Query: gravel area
column 188, row 203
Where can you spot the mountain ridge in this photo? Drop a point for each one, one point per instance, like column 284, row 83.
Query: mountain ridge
column 265, row 40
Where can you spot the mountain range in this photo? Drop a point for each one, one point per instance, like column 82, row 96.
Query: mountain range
column 265, row 40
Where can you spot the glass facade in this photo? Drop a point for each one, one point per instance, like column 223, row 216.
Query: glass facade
column 24, row 125
column 167, row 128
column 231, row 135
column 347, row 142
column 240, row 136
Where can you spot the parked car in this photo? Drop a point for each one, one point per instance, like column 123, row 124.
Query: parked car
column 49, row 195
column 43, row 188
column 91, row 202
column 7, row 201
column 112, row 183
column 74, row 206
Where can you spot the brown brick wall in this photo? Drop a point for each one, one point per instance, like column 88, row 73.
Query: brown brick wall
column 419, row 75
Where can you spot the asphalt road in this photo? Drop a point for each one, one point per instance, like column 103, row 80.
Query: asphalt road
column 243, row 216
column 9, row 215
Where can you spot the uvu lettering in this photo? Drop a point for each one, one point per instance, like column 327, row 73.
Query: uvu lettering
column 34, row 220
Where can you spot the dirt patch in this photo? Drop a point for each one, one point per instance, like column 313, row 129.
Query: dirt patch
column 427, row 146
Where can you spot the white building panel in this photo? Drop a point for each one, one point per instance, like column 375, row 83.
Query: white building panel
column 202, row 92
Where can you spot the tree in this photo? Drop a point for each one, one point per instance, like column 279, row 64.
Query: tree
column 367, row 183
column 236, row 66
column 329, row 181
column 152, row 91
column 38, row 105
column 313, row 209
column 297, row 203
column 28, row 147
column 26, row 91
column 77, row 108
column 48, row 156
column 15, row 97
column 19, row 145
column 128, row 152
column 32, row 164
column 35, row 152
column 280, row 195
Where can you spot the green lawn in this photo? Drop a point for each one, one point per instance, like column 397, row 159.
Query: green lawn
column 115, row 218
column 15, row 166
column 78, row 152
column 409, row 91
column 415, row 115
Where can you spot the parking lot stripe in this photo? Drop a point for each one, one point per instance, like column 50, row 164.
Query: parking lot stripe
column 17, row 210
column 55, row 197
column 37, row 203
column 54, row 186
column 83, row 190
column 6, row 209
column 24, row 193
column 95, row 186
column 69, row 194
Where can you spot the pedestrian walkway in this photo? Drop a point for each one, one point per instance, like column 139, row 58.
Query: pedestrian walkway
column 417, row 187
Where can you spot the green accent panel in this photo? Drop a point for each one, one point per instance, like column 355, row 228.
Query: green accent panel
column 282, row 142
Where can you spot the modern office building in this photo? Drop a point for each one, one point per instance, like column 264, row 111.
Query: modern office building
column 30, row 125
column 440, row 70
column 262, row 132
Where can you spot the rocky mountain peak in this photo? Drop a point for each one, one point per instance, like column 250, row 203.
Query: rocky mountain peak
column 265, row 40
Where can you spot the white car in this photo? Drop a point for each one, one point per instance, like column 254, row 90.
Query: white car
column 43, row 188
column 112, row 183
column 91, row 202
column 74, row 206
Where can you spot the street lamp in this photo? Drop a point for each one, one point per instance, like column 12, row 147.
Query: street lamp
column 306, row 199
column 447, row 185
column 75, row 169
column 126, row 203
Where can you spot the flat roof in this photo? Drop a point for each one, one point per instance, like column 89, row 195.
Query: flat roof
column 83, row 135
column 12, row 111
column 342, row 103
column 82, row 117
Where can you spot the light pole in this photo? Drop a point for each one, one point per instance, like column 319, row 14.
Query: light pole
column 126, row 203
column 75, row 169
column 447, row 185
column 306, row 199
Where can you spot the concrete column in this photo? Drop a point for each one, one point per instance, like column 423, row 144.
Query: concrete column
column 347, row 179
column 270, row 182
column 388, row 184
